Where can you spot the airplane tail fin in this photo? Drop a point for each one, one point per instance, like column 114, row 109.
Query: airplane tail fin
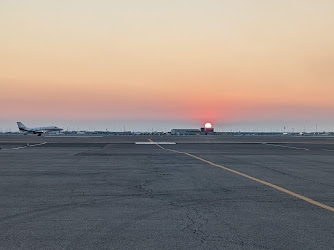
column 21, row 126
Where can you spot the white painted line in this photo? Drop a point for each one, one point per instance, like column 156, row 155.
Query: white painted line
column 282, row 146
column 20, row 147
column 328, row 150
column 37, row 144
column 71, row 136
column 27, row 146
column 154, row 143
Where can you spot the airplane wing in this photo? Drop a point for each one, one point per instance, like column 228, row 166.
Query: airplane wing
column 38, row 132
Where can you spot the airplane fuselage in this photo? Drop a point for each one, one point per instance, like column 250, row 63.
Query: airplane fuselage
column 38, row 130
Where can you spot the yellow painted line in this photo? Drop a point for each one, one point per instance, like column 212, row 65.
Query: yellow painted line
column 254, row 179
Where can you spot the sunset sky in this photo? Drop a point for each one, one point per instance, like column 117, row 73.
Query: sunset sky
column 148, row 64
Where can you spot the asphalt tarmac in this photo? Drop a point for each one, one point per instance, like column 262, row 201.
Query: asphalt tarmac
column 209, row 192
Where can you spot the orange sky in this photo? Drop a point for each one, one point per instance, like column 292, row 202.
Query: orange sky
column 196, row 61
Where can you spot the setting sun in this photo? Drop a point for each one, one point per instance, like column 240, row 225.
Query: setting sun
column 208, row 125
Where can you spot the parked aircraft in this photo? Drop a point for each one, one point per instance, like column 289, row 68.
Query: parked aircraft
column 39, row 130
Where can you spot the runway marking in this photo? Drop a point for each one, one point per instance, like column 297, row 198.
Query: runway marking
column 71, row 136
column 328, row 150
column 282, row 146
column 154, row 143
column 34, row 145
column 20, row 147
column 254, row 179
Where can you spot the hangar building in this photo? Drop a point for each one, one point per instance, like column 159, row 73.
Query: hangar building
column 187, row 131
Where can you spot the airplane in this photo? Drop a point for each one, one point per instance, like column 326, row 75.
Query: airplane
column 39, row 130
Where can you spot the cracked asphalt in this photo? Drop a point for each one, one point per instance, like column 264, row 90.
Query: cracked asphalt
column 108, row 193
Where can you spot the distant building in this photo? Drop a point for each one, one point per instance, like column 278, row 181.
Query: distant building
column 187, row 131
column 207, row 131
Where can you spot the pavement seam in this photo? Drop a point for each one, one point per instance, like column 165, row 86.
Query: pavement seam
column 253, row 178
